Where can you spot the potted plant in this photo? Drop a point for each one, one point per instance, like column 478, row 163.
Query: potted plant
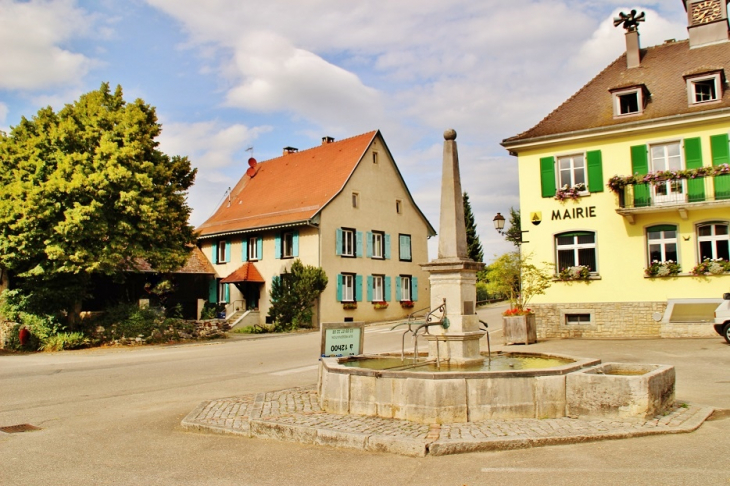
column 519, row 280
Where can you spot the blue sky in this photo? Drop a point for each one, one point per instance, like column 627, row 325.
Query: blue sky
column 226, row 75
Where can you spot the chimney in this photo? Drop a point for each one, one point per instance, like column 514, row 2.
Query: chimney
column 630, row 22
column 290, row 150
column 326, row 140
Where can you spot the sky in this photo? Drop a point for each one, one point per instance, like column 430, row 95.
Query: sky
column 231, row 78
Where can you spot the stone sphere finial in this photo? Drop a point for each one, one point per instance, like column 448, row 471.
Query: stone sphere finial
column 450, row 134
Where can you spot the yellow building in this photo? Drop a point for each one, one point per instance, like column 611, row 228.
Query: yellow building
column 625, row 188
column 342, row 206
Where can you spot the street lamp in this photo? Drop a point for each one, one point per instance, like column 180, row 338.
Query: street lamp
column 499, row 223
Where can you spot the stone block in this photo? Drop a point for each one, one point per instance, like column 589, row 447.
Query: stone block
column 550, row 396
column 501, row 398
column 435, row 401
column 335, row 391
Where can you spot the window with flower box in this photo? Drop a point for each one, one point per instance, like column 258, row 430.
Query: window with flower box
column 378, row 245
column 570, row 175
column 713, row 241
column 576, row 249
column 662, row 243
column 378, row 288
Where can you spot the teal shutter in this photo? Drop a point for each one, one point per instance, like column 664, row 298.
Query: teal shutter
column 214, row 249
column 277, row 246
column 244, row 249
column 295, row 244
column 358, row 288
column 338, row 241
column 397, row 289
column 369, row 244
column 339, row 287
column 721, row 155
column 226, row 293
column 386, row 289
column 359, row 244
column 405, row 247
column 213, row 291
column 693, row 160
column 595, row 171
column 387, row 246
column 640, row 165
column 260, row 248
column 370, row 288
column 228, row 250
column 414, row 289
column 547, row 176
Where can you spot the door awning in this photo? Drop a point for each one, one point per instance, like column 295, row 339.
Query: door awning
column 246, row 273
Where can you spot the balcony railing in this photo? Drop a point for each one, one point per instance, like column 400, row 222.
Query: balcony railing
column 676, row 192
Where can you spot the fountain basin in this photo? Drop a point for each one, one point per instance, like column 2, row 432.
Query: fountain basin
column 448, row 396
column 621, row 391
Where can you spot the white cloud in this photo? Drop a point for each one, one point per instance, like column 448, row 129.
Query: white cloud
column 3, row 112
column 32, row 34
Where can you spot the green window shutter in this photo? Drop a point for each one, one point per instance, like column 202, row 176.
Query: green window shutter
column 693, row 160
column 358, row 288
column 547, row 176
column 370, row 288
column 595, row 171
column 226, row 293
column 277, row 246
column 386, row 289
column 244, row 249
column 397, row 289
column 369, row 244
column 721, row 155
column 295, row 244
column 661, row 227
column 414, row 289
column 338, row 241
column 640, row 165
column 213, row 291
column 260, row 248
column 387, row 247
column 359, row 244
column 228, row 250
column 214, row 249
column 339, row 288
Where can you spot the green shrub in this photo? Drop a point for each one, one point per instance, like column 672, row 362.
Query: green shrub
column 65, row 340
column 482, row 293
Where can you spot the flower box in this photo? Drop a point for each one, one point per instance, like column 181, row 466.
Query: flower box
column 519, row 329
column 380, row 305
column 568, row 192
column 407, row 304
column 669, row 268
column 578, row 272
column 716, row 266
column 349, row 305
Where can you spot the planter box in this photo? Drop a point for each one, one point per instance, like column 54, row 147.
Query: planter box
column 620, row 391
column 519, row 329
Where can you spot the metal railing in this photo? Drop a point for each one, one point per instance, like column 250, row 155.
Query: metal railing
column 675, row 192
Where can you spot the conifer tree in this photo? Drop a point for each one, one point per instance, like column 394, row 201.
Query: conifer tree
column 474, row 246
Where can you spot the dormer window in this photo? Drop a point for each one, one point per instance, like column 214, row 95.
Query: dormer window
column 703, row 89
column 628, row 101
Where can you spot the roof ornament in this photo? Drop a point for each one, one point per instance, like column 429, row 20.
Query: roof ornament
column 630, row 22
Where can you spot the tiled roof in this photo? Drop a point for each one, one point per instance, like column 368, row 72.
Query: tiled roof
column 289, row 189
column 196, row 263
column 662, row 71
column 246, row 273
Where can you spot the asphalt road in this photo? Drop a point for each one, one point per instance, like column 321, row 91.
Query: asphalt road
column 112, row 416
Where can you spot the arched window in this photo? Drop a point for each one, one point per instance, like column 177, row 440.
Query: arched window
column 713, row 241
column 662, row 243
column 576, row 248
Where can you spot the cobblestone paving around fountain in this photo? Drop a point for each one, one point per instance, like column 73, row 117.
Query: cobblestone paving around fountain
column 294, row 415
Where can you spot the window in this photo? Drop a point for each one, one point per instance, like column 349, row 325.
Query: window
column 703, row 89
column 223, row 249
column 405, row 247
column 287, row 245
column 667, row 156
column 714, row 241
column 662, row 241
column 405, row 288
column 377, row 289
column 348, row 243
column 628, row 101
column 398, row 206
column 355, row 200
column 571, row 171
column 223, row 293
column 253, row 249
column 575, row 249
column 378, row 244
column 577, row 318
column 347, row 287
column 375, row 157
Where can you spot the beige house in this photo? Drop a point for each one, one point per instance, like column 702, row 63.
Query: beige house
column 342, row 206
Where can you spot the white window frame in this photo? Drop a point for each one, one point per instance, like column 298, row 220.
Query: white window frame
column 287, row 244
column 221, row 257
column 378, row 243
column 348, row 242
column 618, row 95
column 378, row 288
column 222, row 293
column 670, row 191
column 405, row 288
column 253, row 249
column 571, row 179
column 663, row 241
column 575, row 247
column 692, row 88
column 713, row 238
column 348, row 287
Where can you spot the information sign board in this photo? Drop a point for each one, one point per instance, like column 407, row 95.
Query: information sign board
column 342, row 338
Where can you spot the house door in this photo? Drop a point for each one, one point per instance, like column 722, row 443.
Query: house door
column 251, row 294
column 668, row 157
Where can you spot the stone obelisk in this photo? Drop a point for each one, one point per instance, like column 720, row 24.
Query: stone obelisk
column 453, row 274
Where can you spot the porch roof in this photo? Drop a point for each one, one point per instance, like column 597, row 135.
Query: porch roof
column 245, row 273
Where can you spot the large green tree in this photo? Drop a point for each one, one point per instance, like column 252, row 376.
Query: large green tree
column 294, row 294
column 473, row 245
column 86, row 191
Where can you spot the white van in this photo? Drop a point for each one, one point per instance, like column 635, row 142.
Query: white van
column 722, row 318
